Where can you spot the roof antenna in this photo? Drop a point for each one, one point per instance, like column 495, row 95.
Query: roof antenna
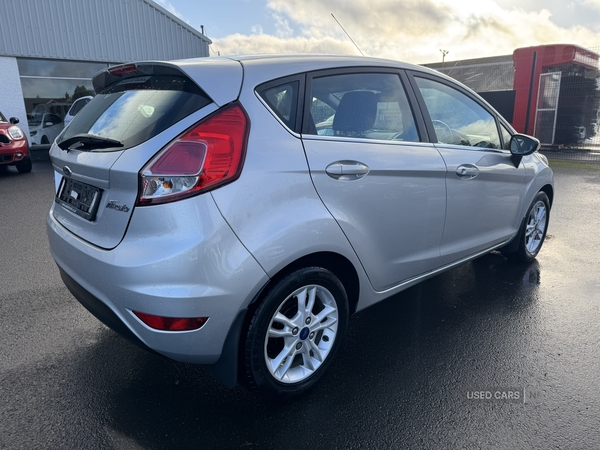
column 338, row 22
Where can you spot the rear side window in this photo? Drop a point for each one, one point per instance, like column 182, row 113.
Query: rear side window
column 365, row 105
column 134, row 110
column 283, row 100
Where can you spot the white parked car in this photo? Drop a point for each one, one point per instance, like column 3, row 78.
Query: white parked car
column 76, row 107
column 43, row 128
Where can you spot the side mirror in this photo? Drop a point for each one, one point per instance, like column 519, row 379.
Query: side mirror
column 48, row 124
column 523, row 145
column 14, row 120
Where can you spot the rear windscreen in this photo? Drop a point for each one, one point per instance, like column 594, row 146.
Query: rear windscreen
column 134, row 110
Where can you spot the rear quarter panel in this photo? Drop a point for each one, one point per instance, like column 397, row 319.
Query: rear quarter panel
column 273, row 207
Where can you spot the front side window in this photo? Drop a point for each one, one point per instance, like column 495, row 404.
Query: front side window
column 363, row 105
column 51, row 119
column 506, row 135
column 458, row 119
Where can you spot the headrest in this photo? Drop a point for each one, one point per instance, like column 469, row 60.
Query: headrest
column 356, row 112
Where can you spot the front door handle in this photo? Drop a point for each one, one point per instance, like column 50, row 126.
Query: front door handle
column 347, row 170
column 467, row 171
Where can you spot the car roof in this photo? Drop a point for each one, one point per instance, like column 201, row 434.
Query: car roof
column 297, row 63
column 222, row 76
column 272, row 59
column 257, row 69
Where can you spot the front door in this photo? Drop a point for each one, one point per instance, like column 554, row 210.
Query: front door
column 484, row 187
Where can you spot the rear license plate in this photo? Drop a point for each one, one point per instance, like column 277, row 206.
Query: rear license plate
column 79, row 198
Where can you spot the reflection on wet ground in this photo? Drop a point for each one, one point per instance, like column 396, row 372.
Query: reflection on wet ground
column 406, row 376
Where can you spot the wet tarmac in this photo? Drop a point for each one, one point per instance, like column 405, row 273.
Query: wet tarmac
column 491, row 355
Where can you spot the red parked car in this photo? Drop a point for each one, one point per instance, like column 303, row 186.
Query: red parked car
column 13, row 145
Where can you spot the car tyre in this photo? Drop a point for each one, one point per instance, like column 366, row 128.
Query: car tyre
column 44, row 140
column 25, row 166
column 295, row 333
column 533, row 232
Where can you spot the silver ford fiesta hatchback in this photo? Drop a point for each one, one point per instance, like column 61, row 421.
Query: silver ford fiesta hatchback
column 235, row 212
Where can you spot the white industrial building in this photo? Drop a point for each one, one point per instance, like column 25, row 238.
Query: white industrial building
column 50, row 49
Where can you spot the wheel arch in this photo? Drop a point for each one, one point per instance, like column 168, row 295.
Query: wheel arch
column 339, row 265
column 549, row 191
column 513, row 245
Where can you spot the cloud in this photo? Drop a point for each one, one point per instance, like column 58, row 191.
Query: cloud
column 410, row 30
column 284, row 30
column 239, row 44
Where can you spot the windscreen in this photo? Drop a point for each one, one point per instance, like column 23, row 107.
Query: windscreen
column 133, row 110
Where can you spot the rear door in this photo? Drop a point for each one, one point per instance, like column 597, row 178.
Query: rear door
column 370, row 166
column 485, row 189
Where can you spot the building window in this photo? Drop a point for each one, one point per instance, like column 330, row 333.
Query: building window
column 51, row 86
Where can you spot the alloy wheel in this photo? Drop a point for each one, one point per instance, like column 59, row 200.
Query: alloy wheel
column 301, row 334
column 536, row 227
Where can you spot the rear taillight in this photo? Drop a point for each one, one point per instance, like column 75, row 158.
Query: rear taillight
column 171, row 323
column 208, row 155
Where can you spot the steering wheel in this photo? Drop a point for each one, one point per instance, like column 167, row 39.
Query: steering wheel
column 443, row 131
column 485, row 144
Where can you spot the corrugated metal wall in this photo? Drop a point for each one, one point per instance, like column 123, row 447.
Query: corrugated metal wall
column 96, row 30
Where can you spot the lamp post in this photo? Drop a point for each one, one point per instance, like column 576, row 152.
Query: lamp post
column 444, row 53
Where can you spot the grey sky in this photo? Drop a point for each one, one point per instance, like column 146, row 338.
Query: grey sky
column 410, row 30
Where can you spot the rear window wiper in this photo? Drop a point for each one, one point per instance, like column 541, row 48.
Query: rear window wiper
column 89, row 141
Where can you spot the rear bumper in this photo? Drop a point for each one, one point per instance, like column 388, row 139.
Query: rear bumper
column 224, row 369
column 102, row 312
column 199, row 269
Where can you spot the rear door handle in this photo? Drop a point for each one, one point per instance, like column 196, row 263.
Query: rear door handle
column 467, row 171
column 347, row 170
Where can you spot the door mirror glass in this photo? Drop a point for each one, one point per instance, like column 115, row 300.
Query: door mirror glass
column 522, row 145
